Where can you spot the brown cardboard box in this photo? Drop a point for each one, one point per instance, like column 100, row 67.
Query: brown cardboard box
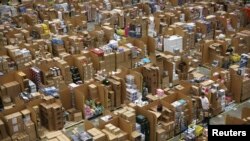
column 93, row 91
column 129, row 116
column 77, row 116
column 109, row 135
column 160, row 134
column 122, row 136
column 116, row 85
column 135, row 135
column 3, row 133
column 6, row 139
column 15, row 128
column 12, row 89
column 169, row 126
column 26, row 115
column 97, row 134
column 100, row 137
column 20, row 137
column 3, row 91
column 14, row 118
column 29, row 128
column 49, row 99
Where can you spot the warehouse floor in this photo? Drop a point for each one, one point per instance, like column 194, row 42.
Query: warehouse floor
column 232, row 110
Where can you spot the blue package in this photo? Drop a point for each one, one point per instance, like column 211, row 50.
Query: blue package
column 22, row 9
column 146, row 60
column 57, row 41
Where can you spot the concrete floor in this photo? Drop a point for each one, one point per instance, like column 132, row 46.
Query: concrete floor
column 233, row 110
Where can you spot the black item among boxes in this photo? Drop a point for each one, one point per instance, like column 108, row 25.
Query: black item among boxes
column 144, row 123
column 75, row 74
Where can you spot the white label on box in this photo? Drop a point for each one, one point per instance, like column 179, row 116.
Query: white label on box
column 15, row 128
column 14, row 121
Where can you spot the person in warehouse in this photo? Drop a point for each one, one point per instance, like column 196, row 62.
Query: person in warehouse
column 205, row 108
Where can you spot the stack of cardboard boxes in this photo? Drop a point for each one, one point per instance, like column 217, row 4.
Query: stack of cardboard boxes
column 52, row 114
column 117, row 90
column 20, row 56
column 97, row 134
column 151, row 78
column 3, row 133
column 127, row 113
column 4, row 63
column 114, row 133
column 9, row 91
column 56, row 136
column 14, row 123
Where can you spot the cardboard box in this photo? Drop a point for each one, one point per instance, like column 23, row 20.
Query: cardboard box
column 116, row 86
column 97, row 134
column 17, row 128
column 12, row 119
column 77, row 116
column 109, row 135
column 122, row 136
column 20, row 137
column 3, row 133
column 129, row 116
column 26, row 115
column 160, row 134
column 30, row 129
column 100, row 137
column 49, row 99
column 135, row 136
column 6, row 139
column 12, row 89
column 93, row 91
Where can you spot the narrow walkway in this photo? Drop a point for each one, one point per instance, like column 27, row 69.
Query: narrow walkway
column 234, row 111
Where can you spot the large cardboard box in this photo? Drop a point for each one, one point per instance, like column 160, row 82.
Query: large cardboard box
column 12, row 88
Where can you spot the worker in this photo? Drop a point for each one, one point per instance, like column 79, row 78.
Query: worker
column 205, row 108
